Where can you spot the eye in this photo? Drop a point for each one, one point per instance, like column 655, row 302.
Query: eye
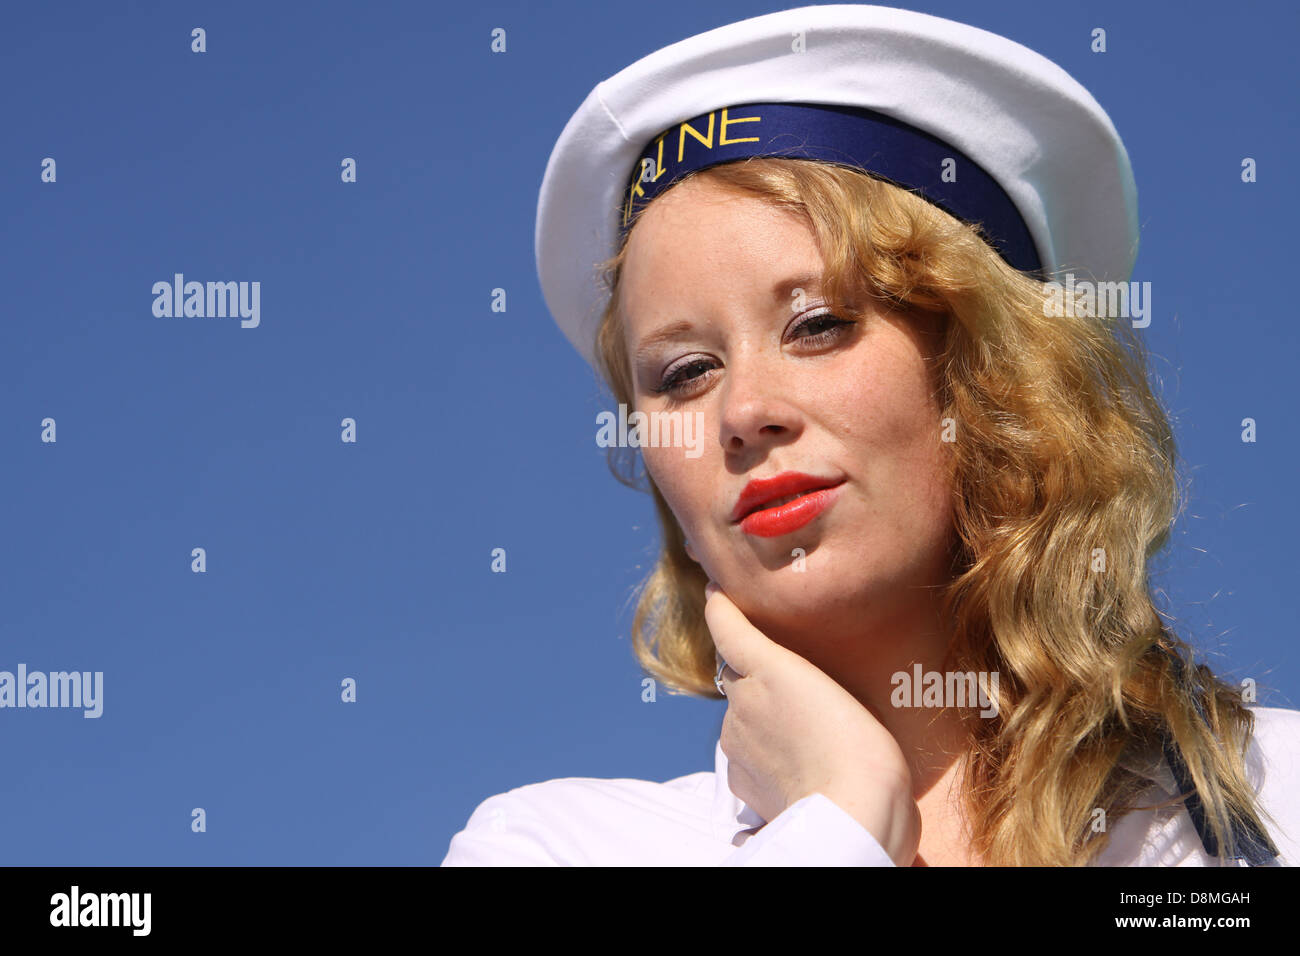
column 677, row 381
column 821, row 329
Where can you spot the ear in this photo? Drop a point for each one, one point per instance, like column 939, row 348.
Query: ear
column 689, row 552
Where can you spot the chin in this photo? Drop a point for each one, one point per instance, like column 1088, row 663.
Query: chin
column 816, row 599
column 790, row 598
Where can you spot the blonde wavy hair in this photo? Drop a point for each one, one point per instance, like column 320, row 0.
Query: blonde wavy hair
column 1061, row 448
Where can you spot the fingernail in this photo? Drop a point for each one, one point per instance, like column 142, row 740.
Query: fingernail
column 709, row 590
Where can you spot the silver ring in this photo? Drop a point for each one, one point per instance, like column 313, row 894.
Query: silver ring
column 717, row 679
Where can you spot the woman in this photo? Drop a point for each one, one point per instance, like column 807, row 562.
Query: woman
column 914, row 542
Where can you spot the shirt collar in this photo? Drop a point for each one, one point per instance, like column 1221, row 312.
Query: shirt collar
column 732, row 816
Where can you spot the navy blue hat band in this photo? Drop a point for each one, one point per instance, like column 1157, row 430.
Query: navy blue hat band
column 848, row 136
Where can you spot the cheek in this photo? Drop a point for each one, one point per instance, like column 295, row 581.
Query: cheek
column 890, row 422
column 680, row 481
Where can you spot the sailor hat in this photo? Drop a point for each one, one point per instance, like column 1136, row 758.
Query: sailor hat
column 988, row 130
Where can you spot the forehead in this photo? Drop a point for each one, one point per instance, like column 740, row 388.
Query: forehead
column 701, row 200
column 702, row 232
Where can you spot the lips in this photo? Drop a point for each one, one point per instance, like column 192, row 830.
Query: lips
column 763, row 493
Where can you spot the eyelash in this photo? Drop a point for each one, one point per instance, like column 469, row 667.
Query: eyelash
column 674, row 384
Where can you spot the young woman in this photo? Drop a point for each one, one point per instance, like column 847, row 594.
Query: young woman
column 912, row 551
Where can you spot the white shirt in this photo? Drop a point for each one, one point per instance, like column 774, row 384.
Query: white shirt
column 696, row 820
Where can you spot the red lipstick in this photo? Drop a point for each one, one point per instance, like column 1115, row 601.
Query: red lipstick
column 770, row 507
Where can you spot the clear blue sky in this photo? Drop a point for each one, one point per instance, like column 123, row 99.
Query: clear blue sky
column 475, row 429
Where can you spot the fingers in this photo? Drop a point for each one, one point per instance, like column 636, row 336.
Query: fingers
column 737, row 641
column 725, row 675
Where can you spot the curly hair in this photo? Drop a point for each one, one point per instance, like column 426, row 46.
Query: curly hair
column 1064, row 482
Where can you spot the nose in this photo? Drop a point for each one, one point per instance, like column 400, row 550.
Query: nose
column 757, row 409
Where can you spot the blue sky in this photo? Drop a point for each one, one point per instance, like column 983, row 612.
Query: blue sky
column 475, row 429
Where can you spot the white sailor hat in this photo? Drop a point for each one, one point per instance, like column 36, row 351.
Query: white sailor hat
column 907, row 97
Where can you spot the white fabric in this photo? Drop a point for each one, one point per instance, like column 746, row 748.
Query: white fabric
column 1032, row 127
column 696, row 820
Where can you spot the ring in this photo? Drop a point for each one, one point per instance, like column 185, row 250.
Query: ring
column 717, row 679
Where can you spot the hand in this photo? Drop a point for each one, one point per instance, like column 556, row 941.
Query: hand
column 791, row 730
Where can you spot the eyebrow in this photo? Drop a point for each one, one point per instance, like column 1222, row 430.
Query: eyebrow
column 804, row 280
column 669, row 333
column 781, row 292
